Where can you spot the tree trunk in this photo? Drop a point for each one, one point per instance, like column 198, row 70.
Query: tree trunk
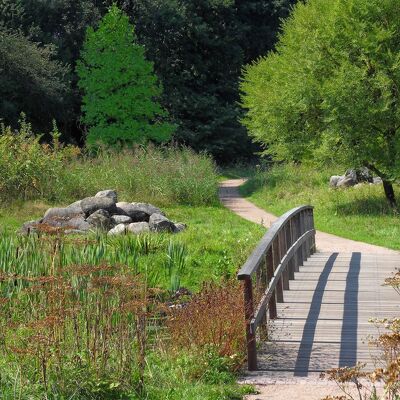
column 389, row 193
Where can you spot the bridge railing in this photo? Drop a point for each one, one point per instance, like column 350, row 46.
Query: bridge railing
column 267, row 272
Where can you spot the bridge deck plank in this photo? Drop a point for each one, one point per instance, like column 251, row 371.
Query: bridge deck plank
column 324, row 321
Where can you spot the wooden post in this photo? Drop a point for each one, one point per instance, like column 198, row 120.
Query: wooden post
column 277, row 258
column 262, row 283
column 284, row 247
column 295, row 235
column 300, row 232
column 250, row 336
column 269, row 259
column 313, row 247
column 289, row 241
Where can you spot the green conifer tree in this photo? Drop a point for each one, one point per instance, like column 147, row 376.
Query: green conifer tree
column 120, row 88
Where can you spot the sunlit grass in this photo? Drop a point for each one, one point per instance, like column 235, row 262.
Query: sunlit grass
column 360, row 213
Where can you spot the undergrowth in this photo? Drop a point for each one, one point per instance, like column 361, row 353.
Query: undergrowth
column 30, row 170
column 92, row 319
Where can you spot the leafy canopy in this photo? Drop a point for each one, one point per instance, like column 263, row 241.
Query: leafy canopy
column 31, row 80
column 119, row 85
column 331, row 88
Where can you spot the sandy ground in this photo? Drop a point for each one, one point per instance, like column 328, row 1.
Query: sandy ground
column 281, row 387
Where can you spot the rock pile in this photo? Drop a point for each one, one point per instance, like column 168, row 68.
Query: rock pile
column 104, row 212
column 353, row 177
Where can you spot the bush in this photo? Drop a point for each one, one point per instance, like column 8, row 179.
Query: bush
column 28, row 169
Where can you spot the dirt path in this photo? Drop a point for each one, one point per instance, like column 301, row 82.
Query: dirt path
column 279, row 387
column 231, row 198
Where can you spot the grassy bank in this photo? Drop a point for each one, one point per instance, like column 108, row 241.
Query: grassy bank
column 359, row 213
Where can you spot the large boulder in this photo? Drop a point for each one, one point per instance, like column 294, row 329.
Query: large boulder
column 349, row 179
column 333, row 181
column 121, row 219
column 76, row 223
column 160, row 223
column 148, row 208
column 112, row 194
column 138, row 227
column 76, row 205
column 364, row 175
column 100, row 219
column 117, row 230
column 131, row 210
column 179, row 227
column 91, row 204
column 63, row 212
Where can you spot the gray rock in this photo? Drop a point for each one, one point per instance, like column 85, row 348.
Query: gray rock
column 136, row 213
column 63, row 212
column 76, row 206
column 377, row 180
column 112, row 194
column 138, row 227
column 121, row 219
column 364, row 175
column 346, row 182
column 349, row 179
column 148, row 208
column 100, row 219
column 351, row 173
column 179, row 227
column 77, row 222
column 30, row 227
column 333, row 181
column 91, row 204
column 159, row 223
column 117, row 230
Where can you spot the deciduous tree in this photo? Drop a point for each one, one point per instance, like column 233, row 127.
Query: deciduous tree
column 331, row 88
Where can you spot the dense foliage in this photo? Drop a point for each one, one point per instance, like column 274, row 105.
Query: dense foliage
column 38, row 87
column 120, row 89
column 198, row 48
column 331, row 88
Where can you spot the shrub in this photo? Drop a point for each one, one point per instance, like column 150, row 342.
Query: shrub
column 29, row 169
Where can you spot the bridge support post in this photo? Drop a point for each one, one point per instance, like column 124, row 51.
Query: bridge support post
column 269, row 259
column 250, row 334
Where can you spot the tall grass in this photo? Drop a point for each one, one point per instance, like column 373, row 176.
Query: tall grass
column 30, row 170
column 163, row 176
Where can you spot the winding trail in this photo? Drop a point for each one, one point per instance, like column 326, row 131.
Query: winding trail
column 231, row 198
column 273, row 384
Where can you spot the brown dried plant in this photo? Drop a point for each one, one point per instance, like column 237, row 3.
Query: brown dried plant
column 212, row 317
column 91, row 319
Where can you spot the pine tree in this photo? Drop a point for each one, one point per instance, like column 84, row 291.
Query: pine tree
column 120, row 87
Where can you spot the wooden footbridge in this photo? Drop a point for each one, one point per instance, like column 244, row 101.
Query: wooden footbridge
column 308, row 311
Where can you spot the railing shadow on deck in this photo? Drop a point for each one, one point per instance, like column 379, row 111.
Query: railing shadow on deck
column 268, row 270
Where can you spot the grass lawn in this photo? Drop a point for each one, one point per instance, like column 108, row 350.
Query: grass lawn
column 359, row 213
column 216, row 242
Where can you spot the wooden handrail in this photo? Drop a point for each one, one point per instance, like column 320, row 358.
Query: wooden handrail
column 287, row 244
